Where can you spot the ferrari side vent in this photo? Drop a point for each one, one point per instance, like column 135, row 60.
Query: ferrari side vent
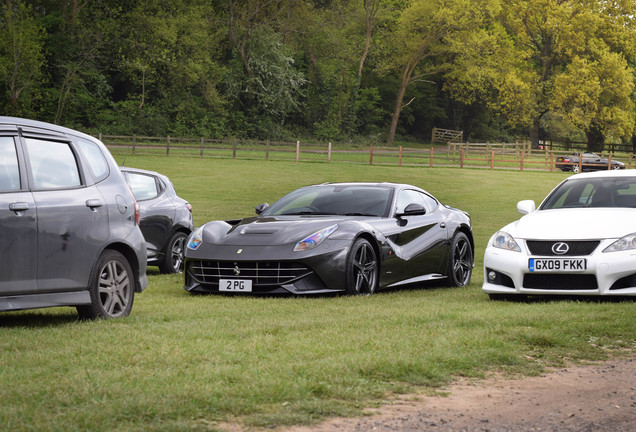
column 262, row 274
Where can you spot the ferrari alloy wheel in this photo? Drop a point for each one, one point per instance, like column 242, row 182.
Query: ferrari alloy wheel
column 111, row 288
column 172, row 261
column 575, row 168
column 362, row 268
column 460, row 263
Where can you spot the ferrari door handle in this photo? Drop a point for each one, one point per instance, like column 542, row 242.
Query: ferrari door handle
column 18, row 207
column 94, row 203
column 442, row 225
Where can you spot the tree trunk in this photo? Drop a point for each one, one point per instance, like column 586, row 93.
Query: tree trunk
column 534, row 133
column 397, row 111
column 595, row 139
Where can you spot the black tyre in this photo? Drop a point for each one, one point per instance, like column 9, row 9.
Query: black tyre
column 361, row 269
column 172, row 261
column 112, row 288
column 460, row 262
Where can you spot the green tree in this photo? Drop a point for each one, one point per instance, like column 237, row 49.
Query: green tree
column 21, row 57
column 427, row 37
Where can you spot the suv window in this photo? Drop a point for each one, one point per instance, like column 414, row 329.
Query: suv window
column 144, row 187
column 95, row 157
column 53, row 164
column 9, row 173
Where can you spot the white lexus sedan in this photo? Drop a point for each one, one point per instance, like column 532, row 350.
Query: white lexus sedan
column 580, row 241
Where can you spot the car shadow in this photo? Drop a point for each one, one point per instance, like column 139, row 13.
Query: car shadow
column 566, row 298
column 36, row 319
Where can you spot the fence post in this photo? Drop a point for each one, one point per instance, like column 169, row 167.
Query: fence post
column 100, row 136
column 523, row 153
column 551, row 160
column 492, row 159
column 371, row 155
column 168, row 146
column 201, row 152
column 234, row 149
column 267, row 150
column 609, row 161
column 329, row 153
column 461, row 157
column 134, row 143
column 430, row 165
column 400, row 157
column 297, row 151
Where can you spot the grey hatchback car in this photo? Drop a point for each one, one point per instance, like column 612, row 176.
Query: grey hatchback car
column 69, row 224
column 166, row 218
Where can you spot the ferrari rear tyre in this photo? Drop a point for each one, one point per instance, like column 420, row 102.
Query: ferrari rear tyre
column 361, row 269
column 460, row 262
column 172, row 261
column 112, row 288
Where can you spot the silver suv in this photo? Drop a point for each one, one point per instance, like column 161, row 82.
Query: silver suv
column 69, row 224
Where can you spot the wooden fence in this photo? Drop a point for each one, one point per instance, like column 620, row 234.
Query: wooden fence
column 510, row 156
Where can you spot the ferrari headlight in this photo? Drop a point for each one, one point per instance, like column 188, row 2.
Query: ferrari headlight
column 315, row 239
column 503, row 240
column 196, row 238
column 622, row 244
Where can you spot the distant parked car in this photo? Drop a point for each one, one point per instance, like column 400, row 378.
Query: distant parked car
column 68, row 223
column 590, row 162
column 166, row 219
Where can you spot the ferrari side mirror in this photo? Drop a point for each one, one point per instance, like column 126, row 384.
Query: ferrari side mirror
column 412, row 209
column 261, row 208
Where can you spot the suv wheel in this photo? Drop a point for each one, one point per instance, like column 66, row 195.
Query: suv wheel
column 172, row 261
column 111, row 287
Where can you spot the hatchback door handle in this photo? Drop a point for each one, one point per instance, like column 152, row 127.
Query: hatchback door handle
column 18, row 207
column 94, row 203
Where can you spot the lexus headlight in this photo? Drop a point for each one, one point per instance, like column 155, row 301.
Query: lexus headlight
column 622, row 244
column 503, row 240
column 196, row 238
column 315, row 239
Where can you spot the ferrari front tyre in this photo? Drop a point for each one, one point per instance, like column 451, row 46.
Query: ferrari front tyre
column 172, row 261
column 361, row 268
column 112, row 288
column 460, row 263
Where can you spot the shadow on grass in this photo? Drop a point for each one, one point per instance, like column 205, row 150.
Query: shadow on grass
column 36, row 319
column 515, row 298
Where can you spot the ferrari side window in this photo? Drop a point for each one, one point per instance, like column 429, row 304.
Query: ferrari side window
column 408, row 196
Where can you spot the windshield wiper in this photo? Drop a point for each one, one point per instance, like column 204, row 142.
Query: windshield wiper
column 358, row 214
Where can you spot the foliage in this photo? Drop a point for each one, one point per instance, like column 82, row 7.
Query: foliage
column 335, row 70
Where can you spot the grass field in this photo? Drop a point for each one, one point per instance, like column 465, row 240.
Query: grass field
column 182, row 362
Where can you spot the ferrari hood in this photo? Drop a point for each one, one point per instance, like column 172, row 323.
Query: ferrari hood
column 270, row 231
column 574, row 224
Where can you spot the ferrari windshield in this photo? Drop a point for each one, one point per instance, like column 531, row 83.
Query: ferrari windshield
column 343, row 199
column 593, row 192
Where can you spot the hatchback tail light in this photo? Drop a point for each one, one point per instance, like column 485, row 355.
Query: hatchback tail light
column 189, row 207
column 136, row 205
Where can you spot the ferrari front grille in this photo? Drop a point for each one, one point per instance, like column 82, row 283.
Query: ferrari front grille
column 575, row 248
column 262, row 273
